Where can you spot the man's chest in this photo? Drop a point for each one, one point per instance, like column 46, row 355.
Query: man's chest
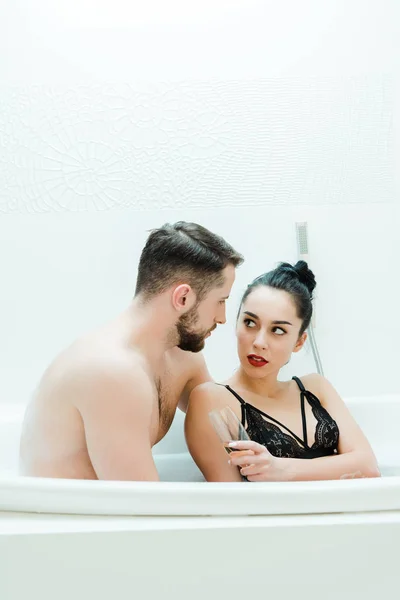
column 170, row 383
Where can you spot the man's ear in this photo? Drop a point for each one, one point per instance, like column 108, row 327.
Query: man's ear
column 183, row 298
column 300, row 342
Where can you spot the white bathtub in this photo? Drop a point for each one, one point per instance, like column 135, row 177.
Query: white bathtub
column 185, row 536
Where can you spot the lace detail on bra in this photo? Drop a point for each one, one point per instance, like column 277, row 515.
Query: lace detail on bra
column 269, row 432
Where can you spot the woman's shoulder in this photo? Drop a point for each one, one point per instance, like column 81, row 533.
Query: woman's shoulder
column 312, row 379
column 320, row 386
column 313, row 382
column 209, row 389
column 209, row 395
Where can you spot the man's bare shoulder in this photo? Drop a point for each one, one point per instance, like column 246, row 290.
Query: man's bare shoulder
column 116, row 369
column 86, row 373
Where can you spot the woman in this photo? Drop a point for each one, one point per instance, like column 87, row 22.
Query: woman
column 286, row 420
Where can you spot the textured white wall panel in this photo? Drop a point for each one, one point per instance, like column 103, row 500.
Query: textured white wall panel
column 197, row 144
column 245, row 116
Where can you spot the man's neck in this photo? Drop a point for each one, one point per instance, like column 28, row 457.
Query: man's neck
column 151, row 327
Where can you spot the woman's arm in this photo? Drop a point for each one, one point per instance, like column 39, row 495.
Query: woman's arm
column 355, row 458
column 203, row 443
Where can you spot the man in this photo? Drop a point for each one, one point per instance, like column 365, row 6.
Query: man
column 108, row 398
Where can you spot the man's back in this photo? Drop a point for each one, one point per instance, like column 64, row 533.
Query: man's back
column 101, row 406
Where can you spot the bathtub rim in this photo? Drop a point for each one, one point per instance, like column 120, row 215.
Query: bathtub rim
column 120, row 498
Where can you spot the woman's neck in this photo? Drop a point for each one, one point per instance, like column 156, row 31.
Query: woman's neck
column 265, row 386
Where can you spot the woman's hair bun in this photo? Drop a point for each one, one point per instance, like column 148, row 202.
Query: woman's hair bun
column 301, row 271
column 305, row 275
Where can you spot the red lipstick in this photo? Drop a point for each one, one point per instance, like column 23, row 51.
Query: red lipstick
column 256, row 361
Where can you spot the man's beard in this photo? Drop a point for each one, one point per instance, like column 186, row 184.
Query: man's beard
column 189, row 340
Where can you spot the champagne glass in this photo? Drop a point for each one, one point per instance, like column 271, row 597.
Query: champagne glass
column 227, row 426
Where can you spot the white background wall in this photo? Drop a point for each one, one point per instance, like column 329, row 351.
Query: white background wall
column 245, row 116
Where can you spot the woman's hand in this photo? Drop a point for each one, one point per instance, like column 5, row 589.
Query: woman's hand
column 256, row 463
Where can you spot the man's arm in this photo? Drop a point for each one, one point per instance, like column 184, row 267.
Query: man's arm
column 116, row 410
column 199, row 374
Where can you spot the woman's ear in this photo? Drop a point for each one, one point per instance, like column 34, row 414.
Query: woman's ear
column 300, row 342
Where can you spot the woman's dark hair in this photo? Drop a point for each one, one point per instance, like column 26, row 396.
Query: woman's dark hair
column 183, row 252
column 297, row 280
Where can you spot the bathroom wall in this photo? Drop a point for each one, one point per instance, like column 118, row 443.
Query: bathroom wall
column 243, row 116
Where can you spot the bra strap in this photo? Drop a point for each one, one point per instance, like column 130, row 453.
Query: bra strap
column 303, row 417
column 235, row 394
column 303, row 394
column 299, row 383
column 242, row 402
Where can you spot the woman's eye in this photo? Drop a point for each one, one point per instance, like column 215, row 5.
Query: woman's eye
column 278, row 330
column 249, row 323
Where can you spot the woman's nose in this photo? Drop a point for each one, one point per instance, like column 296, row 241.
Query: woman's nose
column 260, row 341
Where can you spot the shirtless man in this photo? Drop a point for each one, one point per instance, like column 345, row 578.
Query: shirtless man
column 108, row 398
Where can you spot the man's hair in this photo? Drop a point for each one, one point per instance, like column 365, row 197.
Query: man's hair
column 183, row 253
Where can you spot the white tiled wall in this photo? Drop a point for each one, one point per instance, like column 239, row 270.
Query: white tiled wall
column 243, row 116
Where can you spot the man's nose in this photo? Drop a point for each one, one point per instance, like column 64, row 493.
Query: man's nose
column 221, row 318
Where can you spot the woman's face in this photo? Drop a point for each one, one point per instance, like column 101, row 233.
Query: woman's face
column 267, row 331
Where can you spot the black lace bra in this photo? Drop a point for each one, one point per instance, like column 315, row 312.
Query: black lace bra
column 268, row 431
